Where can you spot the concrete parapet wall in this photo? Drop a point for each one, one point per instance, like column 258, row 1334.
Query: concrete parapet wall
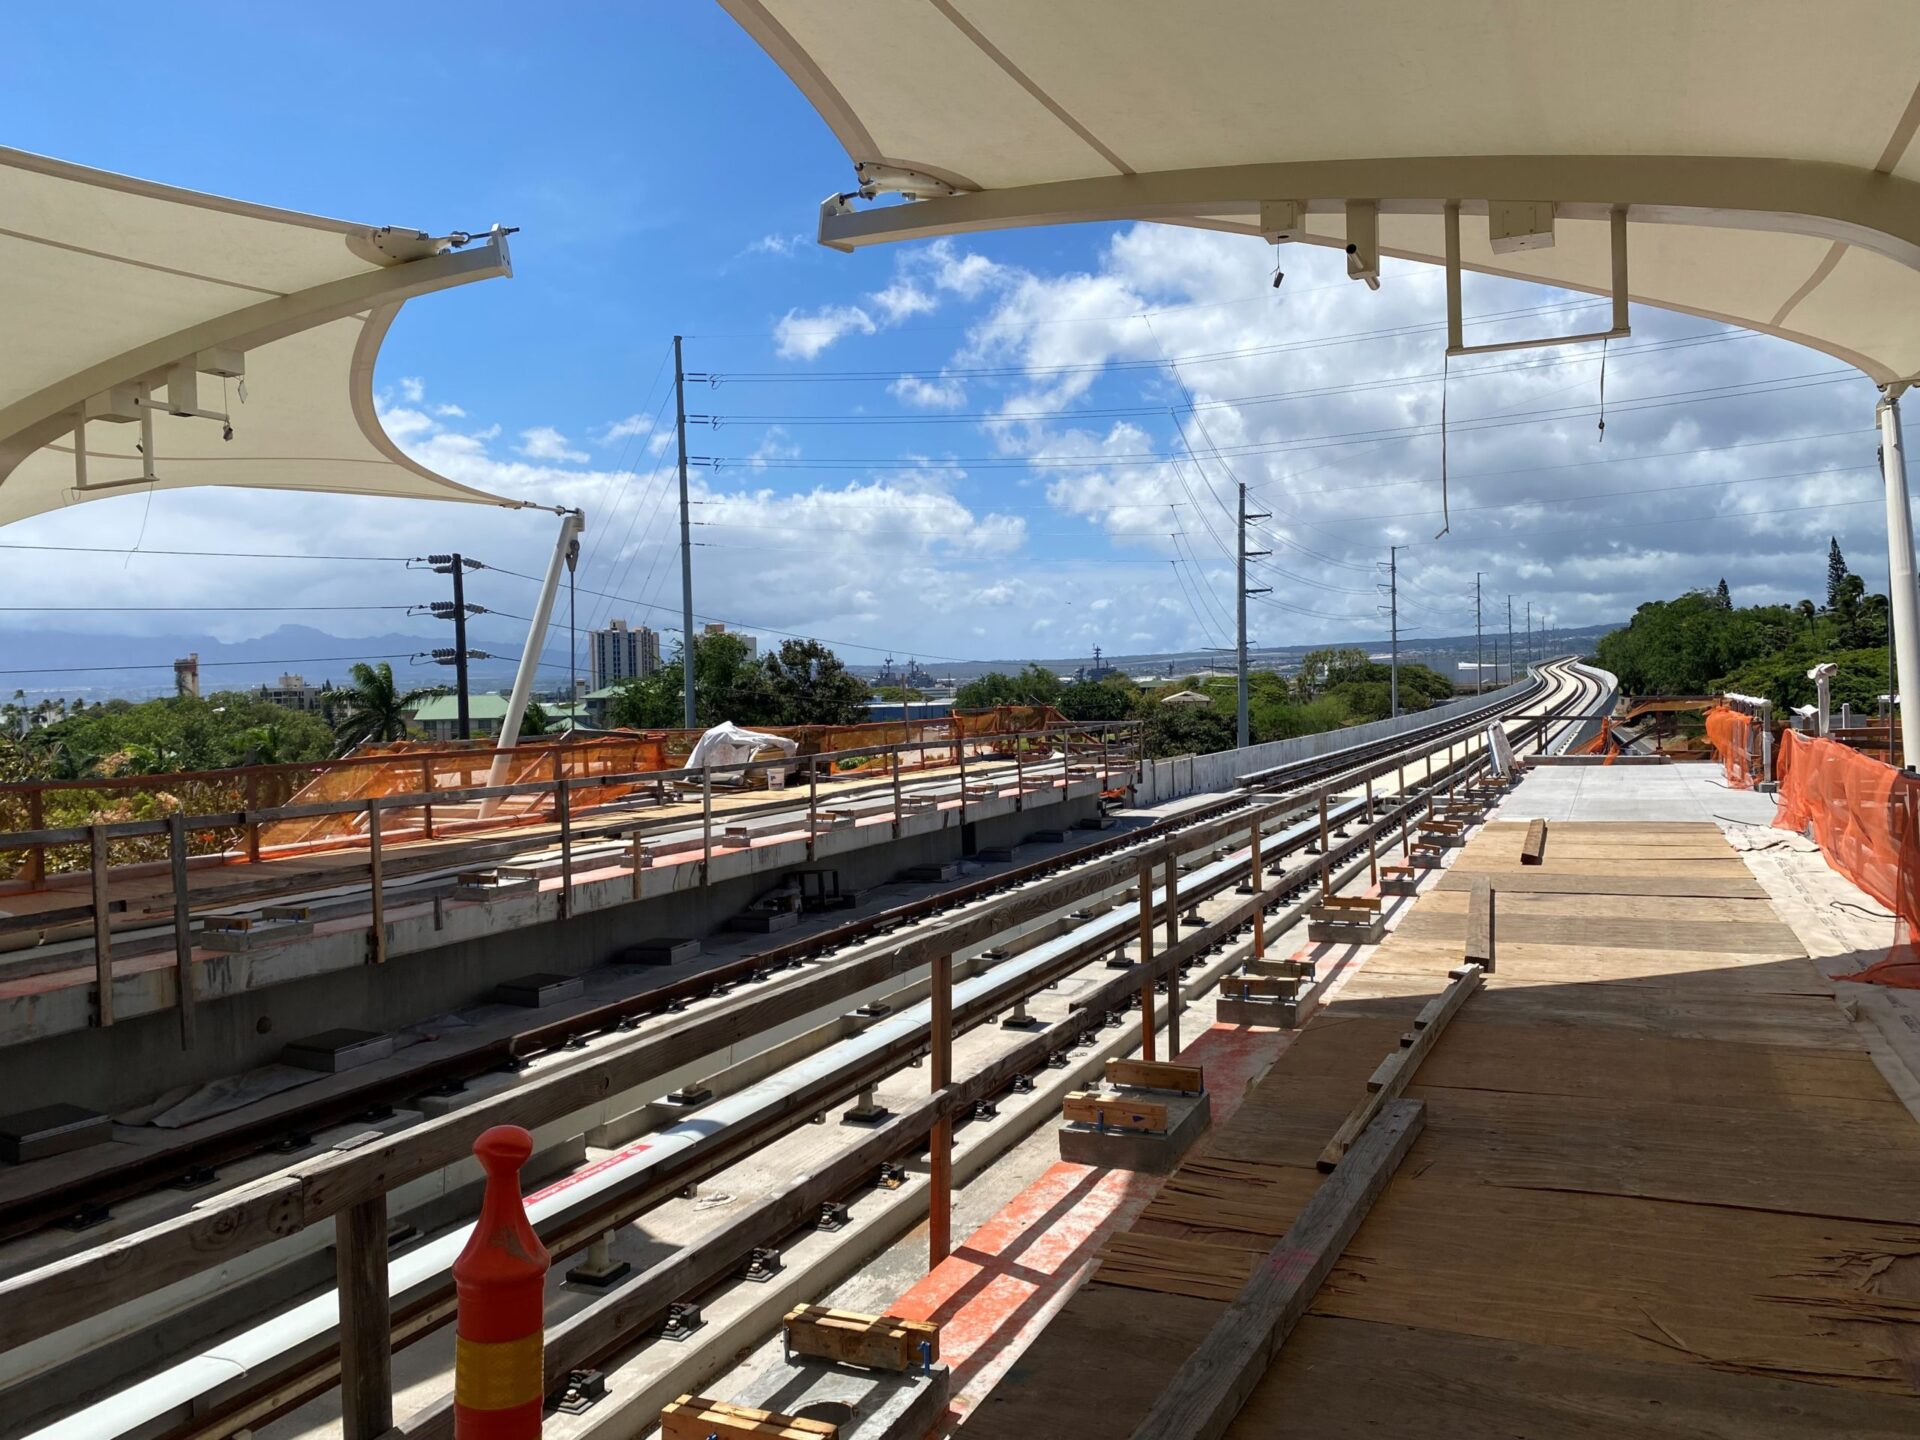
column 1182, row 775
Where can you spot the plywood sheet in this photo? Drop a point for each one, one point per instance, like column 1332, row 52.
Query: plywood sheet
column 1357, row 1380
column 1729, row 884
column 1755, row 937
column 1766, row 1293
column 1517, row 902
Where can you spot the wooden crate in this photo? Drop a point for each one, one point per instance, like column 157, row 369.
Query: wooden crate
column 848, row 1337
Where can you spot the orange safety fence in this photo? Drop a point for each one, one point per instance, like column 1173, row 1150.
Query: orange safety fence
column 1865, row 816
column 1730, row 732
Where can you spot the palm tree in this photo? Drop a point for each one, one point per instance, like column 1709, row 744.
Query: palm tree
column 376, row 709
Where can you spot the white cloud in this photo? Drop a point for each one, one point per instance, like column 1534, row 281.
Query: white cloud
column 543, row 442
column 624, row 429
column 449, row 412
column 946, row 393
column 412, row 389
column 801, row 336
column 781, row 245
column 902, row 300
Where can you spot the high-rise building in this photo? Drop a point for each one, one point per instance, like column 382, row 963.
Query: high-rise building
column 621, row 652
column 186, row 675
column 753, row 645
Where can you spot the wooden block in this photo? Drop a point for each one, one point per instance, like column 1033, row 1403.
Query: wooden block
column 1479, row 949
column 1442, row 827
column 1534, row 848
column 694, row 1417
column 1232, row 1359
column 1392, row 1076
column 1156, row 1075
column 848, row 1337
column 1258, row 987
column 1365, row 903
column 1283, row 969
column 1113, row 1112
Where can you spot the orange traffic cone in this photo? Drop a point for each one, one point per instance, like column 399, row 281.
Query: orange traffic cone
column 499, row 1383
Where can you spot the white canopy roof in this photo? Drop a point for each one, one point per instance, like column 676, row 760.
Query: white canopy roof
column 118, row 292
column 1762, row 148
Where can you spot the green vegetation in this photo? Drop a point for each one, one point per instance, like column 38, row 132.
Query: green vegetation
column 1332, row 689
column 1701, row 644
column 801, row 683
column 156, row 737
column 374, row 708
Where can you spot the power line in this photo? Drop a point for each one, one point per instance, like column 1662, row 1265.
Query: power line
column 212, row 664
column 203, row 554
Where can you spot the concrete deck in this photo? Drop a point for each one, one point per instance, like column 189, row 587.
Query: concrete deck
column 1635, row 792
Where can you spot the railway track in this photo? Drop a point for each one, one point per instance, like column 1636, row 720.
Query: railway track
column 888, row 947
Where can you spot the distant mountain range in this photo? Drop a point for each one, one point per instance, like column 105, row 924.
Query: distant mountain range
column 98, row 667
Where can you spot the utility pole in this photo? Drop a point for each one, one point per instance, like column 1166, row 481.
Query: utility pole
column 1479, row 667
column 457, row 565
column 686, row 534
column 1509, row 639
column 1243, row 731
column 1393, row 612
column 1529, row 632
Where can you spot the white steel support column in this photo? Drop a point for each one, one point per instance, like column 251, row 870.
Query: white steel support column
column 1903, row 608
column 572, row 522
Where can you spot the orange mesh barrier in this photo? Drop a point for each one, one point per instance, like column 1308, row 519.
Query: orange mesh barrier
column 1730, row 734
column 1865, row 816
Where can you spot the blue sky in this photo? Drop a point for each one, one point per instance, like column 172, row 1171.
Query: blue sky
column 979, row 449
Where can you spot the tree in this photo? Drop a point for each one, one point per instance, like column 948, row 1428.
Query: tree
column 1186, row 730
column 810, row 686
column 1034, row 685
column 728, row 684
column 376, row 707
column 536, row 720
column 1096, row 700
column 1723, row 596
column 1836, row 571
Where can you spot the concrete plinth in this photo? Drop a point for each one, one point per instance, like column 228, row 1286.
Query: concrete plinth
column 51, row 1130
column 660, row 952
column 537, row 990
column 1343, row 931
column 1151, row 1153
column 865, row 1404
column 332, row 1051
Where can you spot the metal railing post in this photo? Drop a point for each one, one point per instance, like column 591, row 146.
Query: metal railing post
column 1257, row 878
column 1146, row 958
column 1019, row 776
column 376, row 878
column 706, row 825
column 102, row 927
column 940, row 1142
column 1174, row 994
column 36, row 871
column 813, row 806
column 1326, row 852
column 563, row 803
column 426, row 790
column 895, row 766
column 253, row 825
column 182, row 926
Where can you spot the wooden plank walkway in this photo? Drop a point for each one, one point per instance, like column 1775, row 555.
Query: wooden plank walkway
column 1662, row 1190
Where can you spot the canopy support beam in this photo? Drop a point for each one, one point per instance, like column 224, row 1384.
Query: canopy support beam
column 572, row 522
column 1903, row 606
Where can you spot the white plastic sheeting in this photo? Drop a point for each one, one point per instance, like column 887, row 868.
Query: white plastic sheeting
column 729, row 744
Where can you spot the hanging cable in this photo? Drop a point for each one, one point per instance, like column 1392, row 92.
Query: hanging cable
column 1446, row 363
column 1603, row 393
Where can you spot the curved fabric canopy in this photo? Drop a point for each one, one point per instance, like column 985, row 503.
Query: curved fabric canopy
column 1761, row 149
column 129, row 303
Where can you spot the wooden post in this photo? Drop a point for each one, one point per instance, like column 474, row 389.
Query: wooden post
column 1146, row 957
column 1326, row 854
column 102, row 928
column 376, row 880
column 366, row 1335
column 1258, row 877
column 940, row 1142
column 253, row 826
column 182, row 926
column 36, row 873
column 563, row 804
column 426, row 789
column 1174, row 995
